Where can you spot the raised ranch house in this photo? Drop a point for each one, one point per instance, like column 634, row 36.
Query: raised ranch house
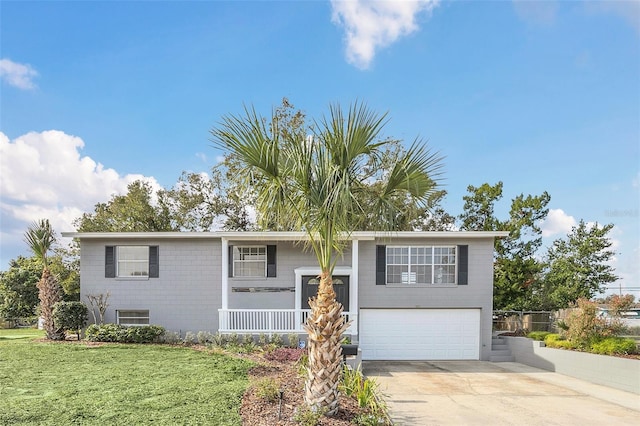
column 409, row 295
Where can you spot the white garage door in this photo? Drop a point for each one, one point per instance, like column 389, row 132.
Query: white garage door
column 419, row 334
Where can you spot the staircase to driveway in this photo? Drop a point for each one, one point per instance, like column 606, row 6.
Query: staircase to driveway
column 484, row 393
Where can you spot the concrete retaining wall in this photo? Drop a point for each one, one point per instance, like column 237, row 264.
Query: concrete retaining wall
column 615, row 372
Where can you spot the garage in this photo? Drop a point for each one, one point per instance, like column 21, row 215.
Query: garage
column 420, row 334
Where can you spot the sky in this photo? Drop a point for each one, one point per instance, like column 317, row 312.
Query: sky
column 543, row 96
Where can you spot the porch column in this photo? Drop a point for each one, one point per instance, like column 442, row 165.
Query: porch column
column 353, row 284
column 225, row 273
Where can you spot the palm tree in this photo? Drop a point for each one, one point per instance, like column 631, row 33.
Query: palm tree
column 323, row 183
column 40, row 237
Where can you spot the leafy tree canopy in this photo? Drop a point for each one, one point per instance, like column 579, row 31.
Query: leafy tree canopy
column 18, row 290
column 577, row 266
column 133, row 212
column 516, row 268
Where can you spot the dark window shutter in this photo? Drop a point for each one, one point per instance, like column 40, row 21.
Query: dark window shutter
column 271, row 261
column 110, row 262
column 463, row 265
column 381, row 265
column 154, row 262
column 230, row 261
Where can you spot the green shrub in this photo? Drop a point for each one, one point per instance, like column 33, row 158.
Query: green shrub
column 307, row 416
column 204, row 337
column 70, row 316
column 190, row 339
column 614, row 346
column 584, row 327
column 268, row 390
column 170, row 338
column 122, row 334
column 293, row 340
column 368, row 419
column 538, row 335
column 364, row 390
column 553, row 340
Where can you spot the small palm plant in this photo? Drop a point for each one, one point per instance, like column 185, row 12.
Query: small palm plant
column 40, row 237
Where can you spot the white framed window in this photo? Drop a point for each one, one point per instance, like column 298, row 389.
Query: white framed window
column 411, row 265
column 133, row 261
column 250, row 261
column 133, row 317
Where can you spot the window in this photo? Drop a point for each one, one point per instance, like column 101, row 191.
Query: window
column 131, row 262
column 421, row 265
column 250, row 261
column 133, row 317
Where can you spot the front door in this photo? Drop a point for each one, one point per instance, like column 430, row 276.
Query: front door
column 340, row 286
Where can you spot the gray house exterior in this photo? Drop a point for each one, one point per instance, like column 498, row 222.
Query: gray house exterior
column 408, row 295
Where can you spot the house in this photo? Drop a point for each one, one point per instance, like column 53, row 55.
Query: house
column 408, row 295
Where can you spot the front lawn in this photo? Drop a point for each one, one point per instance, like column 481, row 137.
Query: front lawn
column 76, row 383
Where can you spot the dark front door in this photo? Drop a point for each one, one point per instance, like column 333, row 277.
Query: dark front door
column 340, row 286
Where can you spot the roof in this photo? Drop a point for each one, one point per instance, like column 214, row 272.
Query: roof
column 279, row 236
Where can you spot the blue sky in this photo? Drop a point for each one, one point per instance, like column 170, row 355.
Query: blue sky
column 544, row 96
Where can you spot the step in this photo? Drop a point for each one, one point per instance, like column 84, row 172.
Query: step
column 502, row 358
column 503, row 352
column 500, row 347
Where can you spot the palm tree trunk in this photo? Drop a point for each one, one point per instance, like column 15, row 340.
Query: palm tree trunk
column 49, row 293
column 325, row 326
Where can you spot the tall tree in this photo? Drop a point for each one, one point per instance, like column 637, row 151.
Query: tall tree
column 315, row 184
column 578, row 266
column 203, row 202
column 40, row 238
column 133, row 212
column 516, row 268
column 18, row 288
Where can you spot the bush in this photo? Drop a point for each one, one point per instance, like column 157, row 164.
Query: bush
column 308, row 416
column 70, row 316
column 364, row 390
column 170, row 338
column 189, row 338
column 538, row 335
column 583, row 326
column 553, row 340
column 268, row 390
column 122, row 334
column 204, row 337
column 614, row 346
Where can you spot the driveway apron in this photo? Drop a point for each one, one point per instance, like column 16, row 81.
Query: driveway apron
column 485, row 393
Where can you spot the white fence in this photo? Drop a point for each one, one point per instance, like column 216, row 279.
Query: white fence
column 256, row 321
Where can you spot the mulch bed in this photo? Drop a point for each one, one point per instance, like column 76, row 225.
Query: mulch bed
column 256, row 411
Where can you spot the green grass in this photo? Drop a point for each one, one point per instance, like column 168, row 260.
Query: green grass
column 64, row 384
column 20, row 333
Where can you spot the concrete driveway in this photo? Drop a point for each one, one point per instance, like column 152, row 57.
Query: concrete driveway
column 485, row 393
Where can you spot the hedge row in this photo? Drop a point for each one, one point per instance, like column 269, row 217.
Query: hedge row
column 122, row 334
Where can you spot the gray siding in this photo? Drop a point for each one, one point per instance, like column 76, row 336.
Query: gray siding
column 289, row 256
column 185, row 297
column 477, row 294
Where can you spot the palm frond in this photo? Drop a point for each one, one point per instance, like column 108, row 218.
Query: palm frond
column 40, row 237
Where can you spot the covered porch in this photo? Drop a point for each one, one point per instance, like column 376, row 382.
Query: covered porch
column 285, row 319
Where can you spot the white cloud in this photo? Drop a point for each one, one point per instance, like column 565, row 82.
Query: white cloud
column 536, row 12
column 635, row 182
column 18, row 75
column 370, row 25
column 44, row 176
column 557, row 222
column 628, row 11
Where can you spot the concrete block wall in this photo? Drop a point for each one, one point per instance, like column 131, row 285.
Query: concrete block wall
column 185, row 297
column 615, row 372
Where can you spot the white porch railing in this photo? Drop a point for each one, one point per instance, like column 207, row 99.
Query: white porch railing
column 245, row 321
